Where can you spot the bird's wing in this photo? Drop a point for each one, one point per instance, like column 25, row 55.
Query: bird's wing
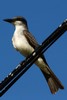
column 53, row 82
column 32, row 41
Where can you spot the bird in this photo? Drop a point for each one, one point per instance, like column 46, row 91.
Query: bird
column 24, row 42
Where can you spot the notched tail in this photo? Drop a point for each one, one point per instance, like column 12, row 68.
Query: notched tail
column 53, row 82
column 54, row 85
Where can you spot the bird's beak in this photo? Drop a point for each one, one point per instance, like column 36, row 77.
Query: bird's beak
column 8, row 20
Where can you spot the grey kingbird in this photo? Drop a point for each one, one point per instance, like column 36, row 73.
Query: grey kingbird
column 24, row 42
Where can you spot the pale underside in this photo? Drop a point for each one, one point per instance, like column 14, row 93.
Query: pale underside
column 21, row 44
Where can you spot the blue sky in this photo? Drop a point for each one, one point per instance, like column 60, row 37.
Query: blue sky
column 43, row 18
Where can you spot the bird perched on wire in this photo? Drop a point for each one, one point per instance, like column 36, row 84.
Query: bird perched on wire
column 24, row 42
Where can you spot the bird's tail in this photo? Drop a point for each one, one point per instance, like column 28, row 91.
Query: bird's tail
column 53, row 82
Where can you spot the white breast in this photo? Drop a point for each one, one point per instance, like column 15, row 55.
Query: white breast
column 20, row 42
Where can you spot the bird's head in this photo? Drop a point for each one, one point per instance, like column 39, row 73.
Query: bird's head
column 17, row 21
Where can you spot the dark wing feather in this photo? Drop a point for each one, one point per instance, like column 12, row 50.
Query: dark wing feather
column 32, row 41
column 53, row 82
